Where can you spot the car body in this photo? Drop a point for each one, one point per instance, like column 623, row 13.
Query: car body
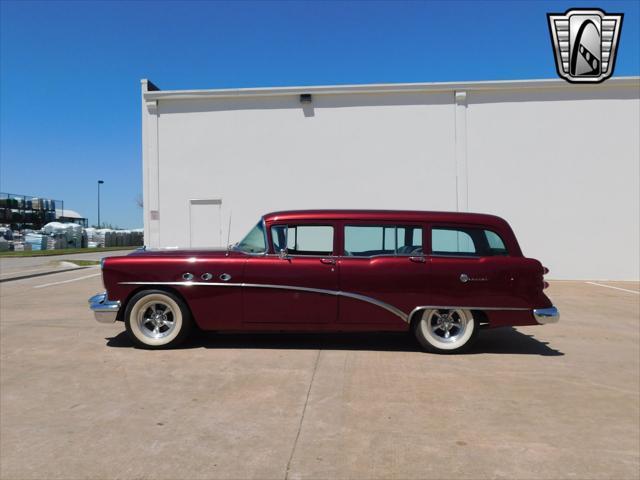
column 338, row 271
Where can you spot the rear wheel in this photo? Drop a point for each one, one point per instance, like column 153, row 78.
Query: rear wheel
column 445, row 330
column 157, row 319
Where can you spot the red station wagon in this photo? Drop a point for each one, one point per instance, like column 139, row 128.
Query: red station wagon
column 441, row 275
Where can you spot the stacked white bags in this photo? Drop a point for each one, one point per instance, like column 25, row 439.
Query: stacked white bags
column 67, row 234
column 56, row 242
column 94, row 240
column 105, row 235
column 56, row 236
column 6, row 233
column 36, row 240
column 74, row 235
column 137, row 237
column 22, row 247
column 117, row 238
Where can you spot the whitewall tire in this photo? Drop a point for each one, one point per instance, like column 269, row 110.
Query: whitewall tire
column 157, row 319
column 445, row 330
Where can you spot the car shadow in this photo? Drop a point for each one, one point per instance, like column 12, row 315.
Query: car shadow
column 506, row 340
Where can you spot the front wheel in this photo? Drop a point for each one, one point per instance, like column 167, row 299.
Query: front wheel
column 157, row 319
column 446, row 330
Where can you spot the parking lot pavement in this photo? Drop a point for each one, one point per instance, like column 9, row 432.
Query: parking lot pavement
column 18, row 266
column 555, row 401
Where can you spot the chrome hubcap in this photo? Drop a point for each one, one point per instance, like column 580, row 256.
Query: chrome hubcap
column 156, row 320
column 447, row 325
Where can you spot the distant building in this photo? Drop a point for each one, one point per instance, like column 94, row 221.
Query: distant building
column 71, row 216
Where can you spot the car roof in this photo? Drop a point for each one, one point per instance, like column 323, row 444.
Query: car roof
column 387, row 215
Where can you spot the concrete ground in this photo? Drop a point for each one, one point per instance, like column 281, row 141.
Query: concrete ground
column 11, row 267
column 555, row 401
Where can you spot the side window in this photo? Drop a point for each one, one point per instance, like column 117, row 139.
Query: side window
column 409, row 240
column 452, row 241
column 368, row 240
column 466, row 242
column 303, row 239
column 495, row 244
column 254, row 241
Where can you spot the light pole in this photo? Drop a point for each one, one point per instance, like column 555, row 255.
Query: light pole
column 100, row 182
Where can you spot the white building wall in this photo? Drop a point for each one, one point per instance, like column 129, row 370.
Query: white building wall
column 560, row 163
column 563, row 169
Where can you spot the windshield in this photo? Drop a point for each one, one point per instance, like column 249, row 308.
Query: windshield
column 254, row 241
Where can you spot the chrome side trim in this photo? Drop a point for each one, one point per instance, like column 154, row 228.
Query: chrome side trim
column 355, row 296
column 104, row 310
column 378, row 303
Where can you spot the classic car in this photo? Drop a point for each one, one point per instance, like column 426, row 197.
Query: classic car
column 442, row 276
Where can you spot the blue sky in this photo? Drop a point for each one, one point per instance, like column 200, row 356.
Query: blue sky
column 70, row 71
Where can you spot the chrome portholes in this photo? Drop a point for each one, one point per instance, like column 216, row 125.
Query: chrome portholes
column 225, row 277
column 187, row 276
column 206, row 276
column 156, row 319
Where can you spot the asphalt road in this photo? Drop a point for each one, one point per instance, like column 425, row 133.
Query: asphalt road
column 555, row 401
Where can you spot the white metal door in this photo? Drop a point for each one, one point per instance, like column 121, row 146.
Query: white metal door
column 205, row 223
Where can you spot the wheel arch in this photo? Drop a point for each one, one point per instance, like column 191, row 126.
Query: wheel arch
column 415, row 315
column 479, row 315
column 135, row 291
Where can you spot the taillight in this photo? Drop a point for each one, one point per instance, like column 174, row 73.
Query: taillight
column 545, row 285
column 545, row 270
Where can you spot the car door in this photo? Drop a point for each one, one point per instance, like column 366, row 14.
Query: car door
column 294, row 286
column 468, row 266
column 382, row 274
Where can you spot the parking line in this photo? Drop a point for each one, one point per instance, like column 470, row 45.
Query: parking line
column 67, row 281
column 40, row 269
column 41, row 274
column 615, row 288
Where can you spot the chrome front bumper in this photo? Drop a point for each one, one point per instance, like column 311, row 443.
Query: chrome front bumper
column 546, row 315
column 104, row 310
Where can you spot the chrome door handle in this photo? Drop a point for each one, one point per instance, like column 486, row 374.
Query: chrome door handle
column 328, row 261
column 418, row 259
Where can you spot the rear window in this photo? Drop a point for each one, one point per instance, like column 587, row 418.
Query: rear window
column 462, row 241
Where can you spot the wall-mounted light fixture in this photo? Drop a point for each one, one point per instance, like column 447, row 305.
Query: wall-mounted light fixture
column 305, row 98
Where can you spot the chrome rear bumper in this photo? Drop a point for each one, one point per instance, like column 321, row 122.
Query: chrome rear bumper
column 546, row 315
column 104, row 310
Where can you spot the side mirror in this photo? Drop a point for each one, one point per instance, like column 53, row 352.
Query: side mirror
column 283, row 254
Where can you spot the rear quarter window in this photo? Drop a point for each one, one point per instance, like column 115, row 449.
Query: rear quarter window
column 464, row 241
column 450, row 241
column 495, row 244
